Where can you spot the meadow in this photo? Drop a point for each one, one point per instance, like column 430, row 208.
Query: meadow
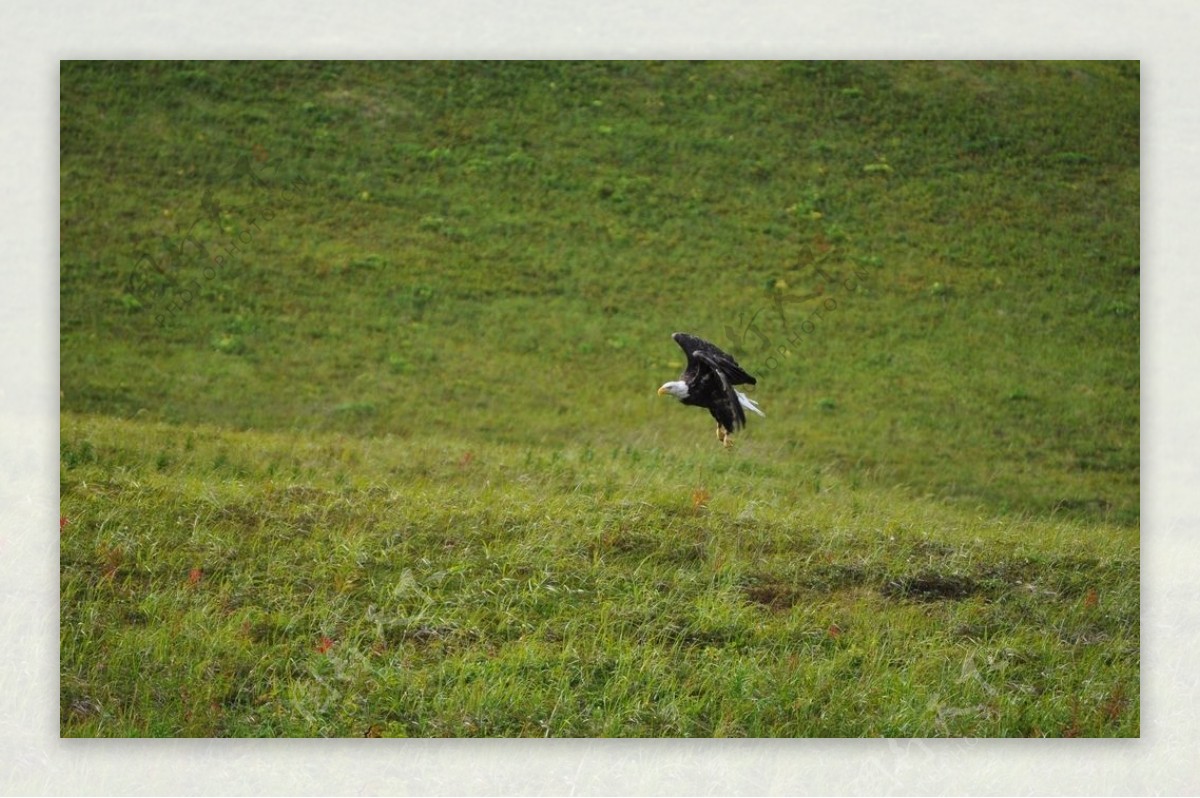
column 359, row 427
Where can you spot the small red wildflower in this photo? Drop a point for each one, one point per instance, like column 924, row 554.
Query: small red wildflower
column 62, row 522
column 834, row 630
column 324, row 645
column 194, row 576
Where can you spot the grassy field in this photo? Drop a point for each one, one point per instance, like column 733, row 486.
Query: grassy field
column 360, row 434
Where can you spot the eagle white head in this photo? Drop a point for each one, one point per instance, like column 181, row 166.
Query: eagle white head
column 676, row 388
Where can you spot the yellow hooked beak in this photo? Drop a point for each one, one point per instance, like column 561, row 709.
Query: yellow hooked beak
column 662, row 390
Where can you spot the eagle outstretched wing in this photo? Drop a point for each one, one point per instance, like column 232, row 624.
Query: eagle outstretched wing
column 717, row 359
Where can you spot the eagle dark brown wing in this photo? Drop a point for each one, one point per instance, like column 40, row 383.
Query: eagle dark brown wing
column 717, row 358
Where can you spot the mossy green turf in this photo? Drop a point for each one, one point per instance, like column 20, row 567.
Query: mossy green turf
column 395, row 464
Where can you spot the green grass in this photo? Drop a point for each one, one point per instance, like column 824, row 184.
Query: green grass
column 359, row 431
column 224, row 583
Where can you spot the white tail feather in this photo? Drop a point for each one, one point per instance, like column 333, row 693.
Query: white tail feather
column 749, row 403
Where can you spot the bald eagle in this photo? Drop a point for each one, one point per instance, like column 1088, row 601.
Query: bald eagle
column 707, row 381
